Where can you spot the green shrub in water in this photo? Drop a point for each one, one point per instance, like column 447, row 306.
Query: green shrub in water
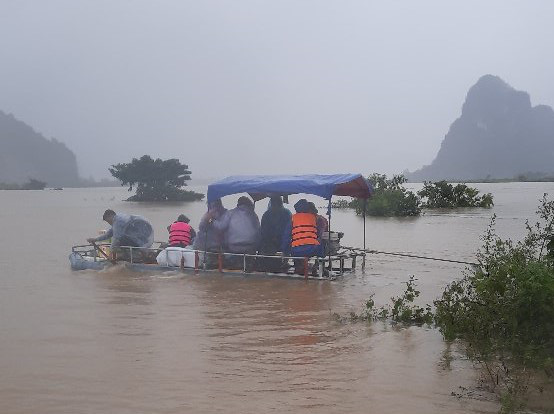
column 403, row 310
column 390, row 198
column 442, row 194
column 503, row 310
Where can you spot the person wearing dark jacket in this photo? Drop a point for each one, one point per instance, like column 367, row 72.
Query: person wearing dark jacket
column 274, row 222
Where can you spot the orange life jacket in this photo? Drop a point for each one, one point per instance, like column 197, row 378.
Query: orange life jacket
column 179, row 233
column 304, row 229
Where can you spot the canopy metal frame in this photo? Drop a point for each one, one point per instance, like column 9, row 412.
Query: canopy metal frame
column 259, row 187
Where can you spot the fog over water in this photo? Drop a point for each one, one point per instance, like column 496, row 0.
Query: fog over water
column 238, row 87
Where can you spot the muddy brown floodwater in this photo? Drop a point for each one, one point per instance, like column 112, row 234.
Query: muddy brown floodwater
column 116, row 342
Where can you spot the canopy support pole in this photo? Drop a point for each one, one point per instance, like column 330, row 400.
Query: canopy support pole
column 364, row 215
column 329, row 237
column 204, row 264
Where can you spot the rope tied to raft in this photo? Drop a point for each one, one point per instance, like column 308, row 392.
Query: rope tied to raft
column 414, row 256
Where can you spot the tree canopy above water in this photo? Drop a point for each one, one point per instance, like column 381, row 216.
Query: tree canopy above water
column 155, row 179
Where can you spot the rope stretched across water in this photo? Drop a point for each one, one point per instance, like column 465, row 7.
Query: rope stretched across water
column 412, row 256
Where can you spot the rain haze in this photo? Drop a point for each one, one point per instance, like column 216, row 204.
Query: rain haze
column 244, row 87
column 342, row 296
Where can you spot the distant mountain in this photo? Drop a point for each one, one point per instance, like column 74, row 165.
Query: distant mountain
column 498, row 135
column 25, row 154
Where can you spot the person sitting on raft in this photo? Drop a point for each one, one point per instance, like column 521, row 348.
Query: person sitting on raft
column 209, row 239
column 241, row 229
column 274, row 222
column 126, row 230
column 300, row 238
column 322, row 222
column 181, row 233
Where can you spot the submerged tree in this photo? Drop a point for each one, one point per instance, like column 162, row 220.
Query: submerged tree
column 155, row 180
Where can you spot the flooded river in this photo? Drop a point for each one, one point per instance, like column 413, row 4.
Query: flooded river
column 115, row 342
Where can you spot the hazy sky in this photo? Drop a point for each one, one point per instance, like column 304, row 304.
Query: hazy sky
column 253, row 87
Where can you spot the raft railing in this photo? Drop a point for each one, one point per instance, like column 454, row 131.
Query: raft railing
column 327, row 267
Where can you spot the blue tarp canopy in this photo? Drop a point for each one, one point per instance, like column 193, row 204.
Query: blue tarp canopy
column 260, row 186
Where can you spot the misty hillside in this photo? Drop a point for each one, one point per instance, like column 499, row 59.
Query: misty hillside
column 25, row 154
column 498, row 135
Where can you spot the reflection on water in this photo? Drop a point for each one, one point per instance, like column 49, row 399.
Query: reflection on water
column 119, row 342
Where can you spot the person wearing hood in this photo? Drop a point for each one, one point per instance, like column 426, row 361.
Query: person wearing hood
column 126, row 230
column 322, row 222
column 274, row 222
column 240, row 227
column 208, row 238
column 300, row 238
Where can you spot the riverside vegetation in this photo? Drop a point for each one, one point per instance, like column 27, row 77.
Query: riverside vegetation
column 500, row 312
column 503, row 310
column 31, row 184
column 392, row 199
